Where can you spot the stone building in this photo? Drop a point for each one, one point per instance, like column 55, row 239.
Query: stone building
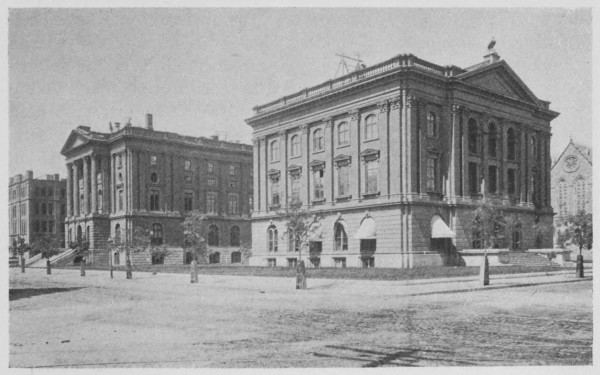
column 572, row 182
column 395, row 157
column 140, row 177
column 37, row 206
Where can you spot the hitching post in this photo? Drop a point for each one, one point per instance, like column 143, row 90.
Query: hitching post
column 83, row 266
column 301, row 275
column 579, row 268
column 484, row 270
column 48, row 269
column 109, row 242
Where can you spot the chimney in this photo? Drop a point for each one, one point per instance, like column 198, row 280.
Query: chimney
column 149, row 121
column 56, row 177
column 214, row 137
column 29, row 175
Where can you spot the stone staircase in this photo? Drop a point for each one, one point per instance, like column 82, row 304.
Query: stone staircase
column 530, row 259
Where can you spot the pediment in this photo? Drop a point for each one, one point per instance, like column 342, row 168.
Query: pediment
column 74, row 141
column 501, row 79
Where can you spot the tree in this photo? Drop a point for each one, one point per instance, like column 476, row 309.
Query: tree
column 137, row 240
column 48, row 245
column 302, row 225
column 193, row 241
column 20, row 247
column 489, row 227
column 580, row 230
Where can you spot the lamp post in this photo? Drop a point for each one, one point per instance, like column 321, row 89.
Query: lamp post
column 110, row 242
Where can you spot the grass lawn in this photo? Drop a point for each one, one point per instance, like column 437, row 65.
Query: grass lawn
column 337, row 273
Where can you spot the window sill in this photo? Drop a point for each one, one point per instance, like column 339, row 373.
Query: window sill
column 343, row 198
column 275, row 207
column 370, row 195
column 432, row 136
column 343, row 146
column 433, row 193
column 318, row 151
column 318, row 201
column 370, row 140
column 295, row 156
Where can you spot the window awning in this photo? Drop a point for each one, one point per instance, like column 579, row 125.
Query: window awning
column 367, row 230
column 439, row 229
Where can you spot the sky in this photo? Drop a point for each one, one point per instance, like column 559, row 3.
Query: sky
column 202, row 70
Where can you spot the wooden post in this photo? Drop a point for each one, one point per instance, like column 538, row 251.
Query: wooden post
column 301, row 275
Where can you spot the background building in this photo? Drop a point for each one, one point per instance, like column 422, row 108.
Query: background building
column 139, row 177
column 396, row 157
column 572, row 182
column 37, row 207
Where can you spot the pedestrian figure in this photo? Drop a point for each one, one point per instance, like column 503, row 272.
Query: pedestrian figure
column 194, row 271
column 83, row 266
column 301, row 275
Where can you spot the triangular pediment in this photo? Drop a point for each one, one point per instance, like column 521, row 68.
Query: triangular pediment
column 501, row 79
column 74, row 141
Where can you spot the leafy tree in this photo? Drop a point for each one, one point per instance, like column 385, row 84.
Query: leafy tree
column 489, row 227
column 580, row 230
column 48, row 245
column 193, row 240
column 20, row 247
column 301, row 224
column 137, row 240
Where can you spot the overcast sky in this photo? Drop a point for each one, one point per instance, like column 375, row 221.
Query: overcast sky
column 202, row 70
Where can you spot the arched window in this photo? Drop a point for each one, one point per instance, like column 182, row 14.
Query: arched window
column 473, row 137
column 317, row 140
column 562, row 197
column 234, row 236
column 492, row 140
column 343, row 134
column 341, row 238
column 157, row 234
column 511, row 144
column 293, row 243
column 295, row 146
column 118, row 234
column 153, row 177
column 274, row 151
column 272, row 238
column 213, row 235
column 214, row 258
column 371, row 131
column 580, row 193
column 432, row 125
column 236, row 257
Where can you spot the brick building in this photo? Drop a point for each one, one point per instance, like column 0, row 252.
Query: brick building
column 37, row 206
column 396, row 157
column 572, row 182
column 139, row 177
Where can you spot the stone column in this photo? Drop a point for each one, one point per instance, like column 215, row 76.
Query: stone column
column 256, row 175
column 328, row 146
column 75, row 189
column 395, row 150
column 69, row 189
column 86, row 186
column 523, row 191
column 305, row 161
column 355, row 135
column 106, row 194
column 454, row 139
column 410, row 132
column 384, row 162
column 283, row 156
column 113, row 190
column 94, row 180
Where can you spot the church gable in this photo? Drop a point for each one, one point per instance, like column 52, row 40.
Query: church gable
column 501, row 79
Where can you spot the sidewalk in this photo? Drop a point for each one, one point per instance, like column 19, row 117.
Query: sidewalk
column 278, row 286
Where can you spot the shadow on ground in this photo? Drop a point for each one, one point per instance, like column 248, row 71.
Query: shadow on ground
column 15, row 294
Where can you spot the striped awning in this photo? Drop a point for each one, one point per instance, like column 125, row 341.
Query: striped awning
column 367, row 230
column 439, row 229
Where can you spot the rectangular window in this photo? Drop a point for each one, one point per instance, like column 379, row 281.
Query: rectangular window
column 43, row 208
column 187, row 165
column 50, row 192
column 295, row 187
column 23, row 209
column 275, row 192
column 339, row 262
column 232, row 170
column 432, row 172
column 233, row 204
column 14, row 227
column 51, row 227
column 154, row 199
column 23, row 227
column 512, row 181
column 211, row 182
column 473, row 178
column 272, row 262
column 120, row 194
column 37, row 191
column 233, row 183
column 36, row 208
column 292, row 262
column 250, row 203
column 319, row 192
column 36, row 227
column 188, row 202
column 14, row 212
column 343, row 180
column 371, row 176
column 211, row 167
column 211, row 203
column 492, row 179
column 50, row 208
column 43, row 191
column 44, row 226
column 152, row 159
